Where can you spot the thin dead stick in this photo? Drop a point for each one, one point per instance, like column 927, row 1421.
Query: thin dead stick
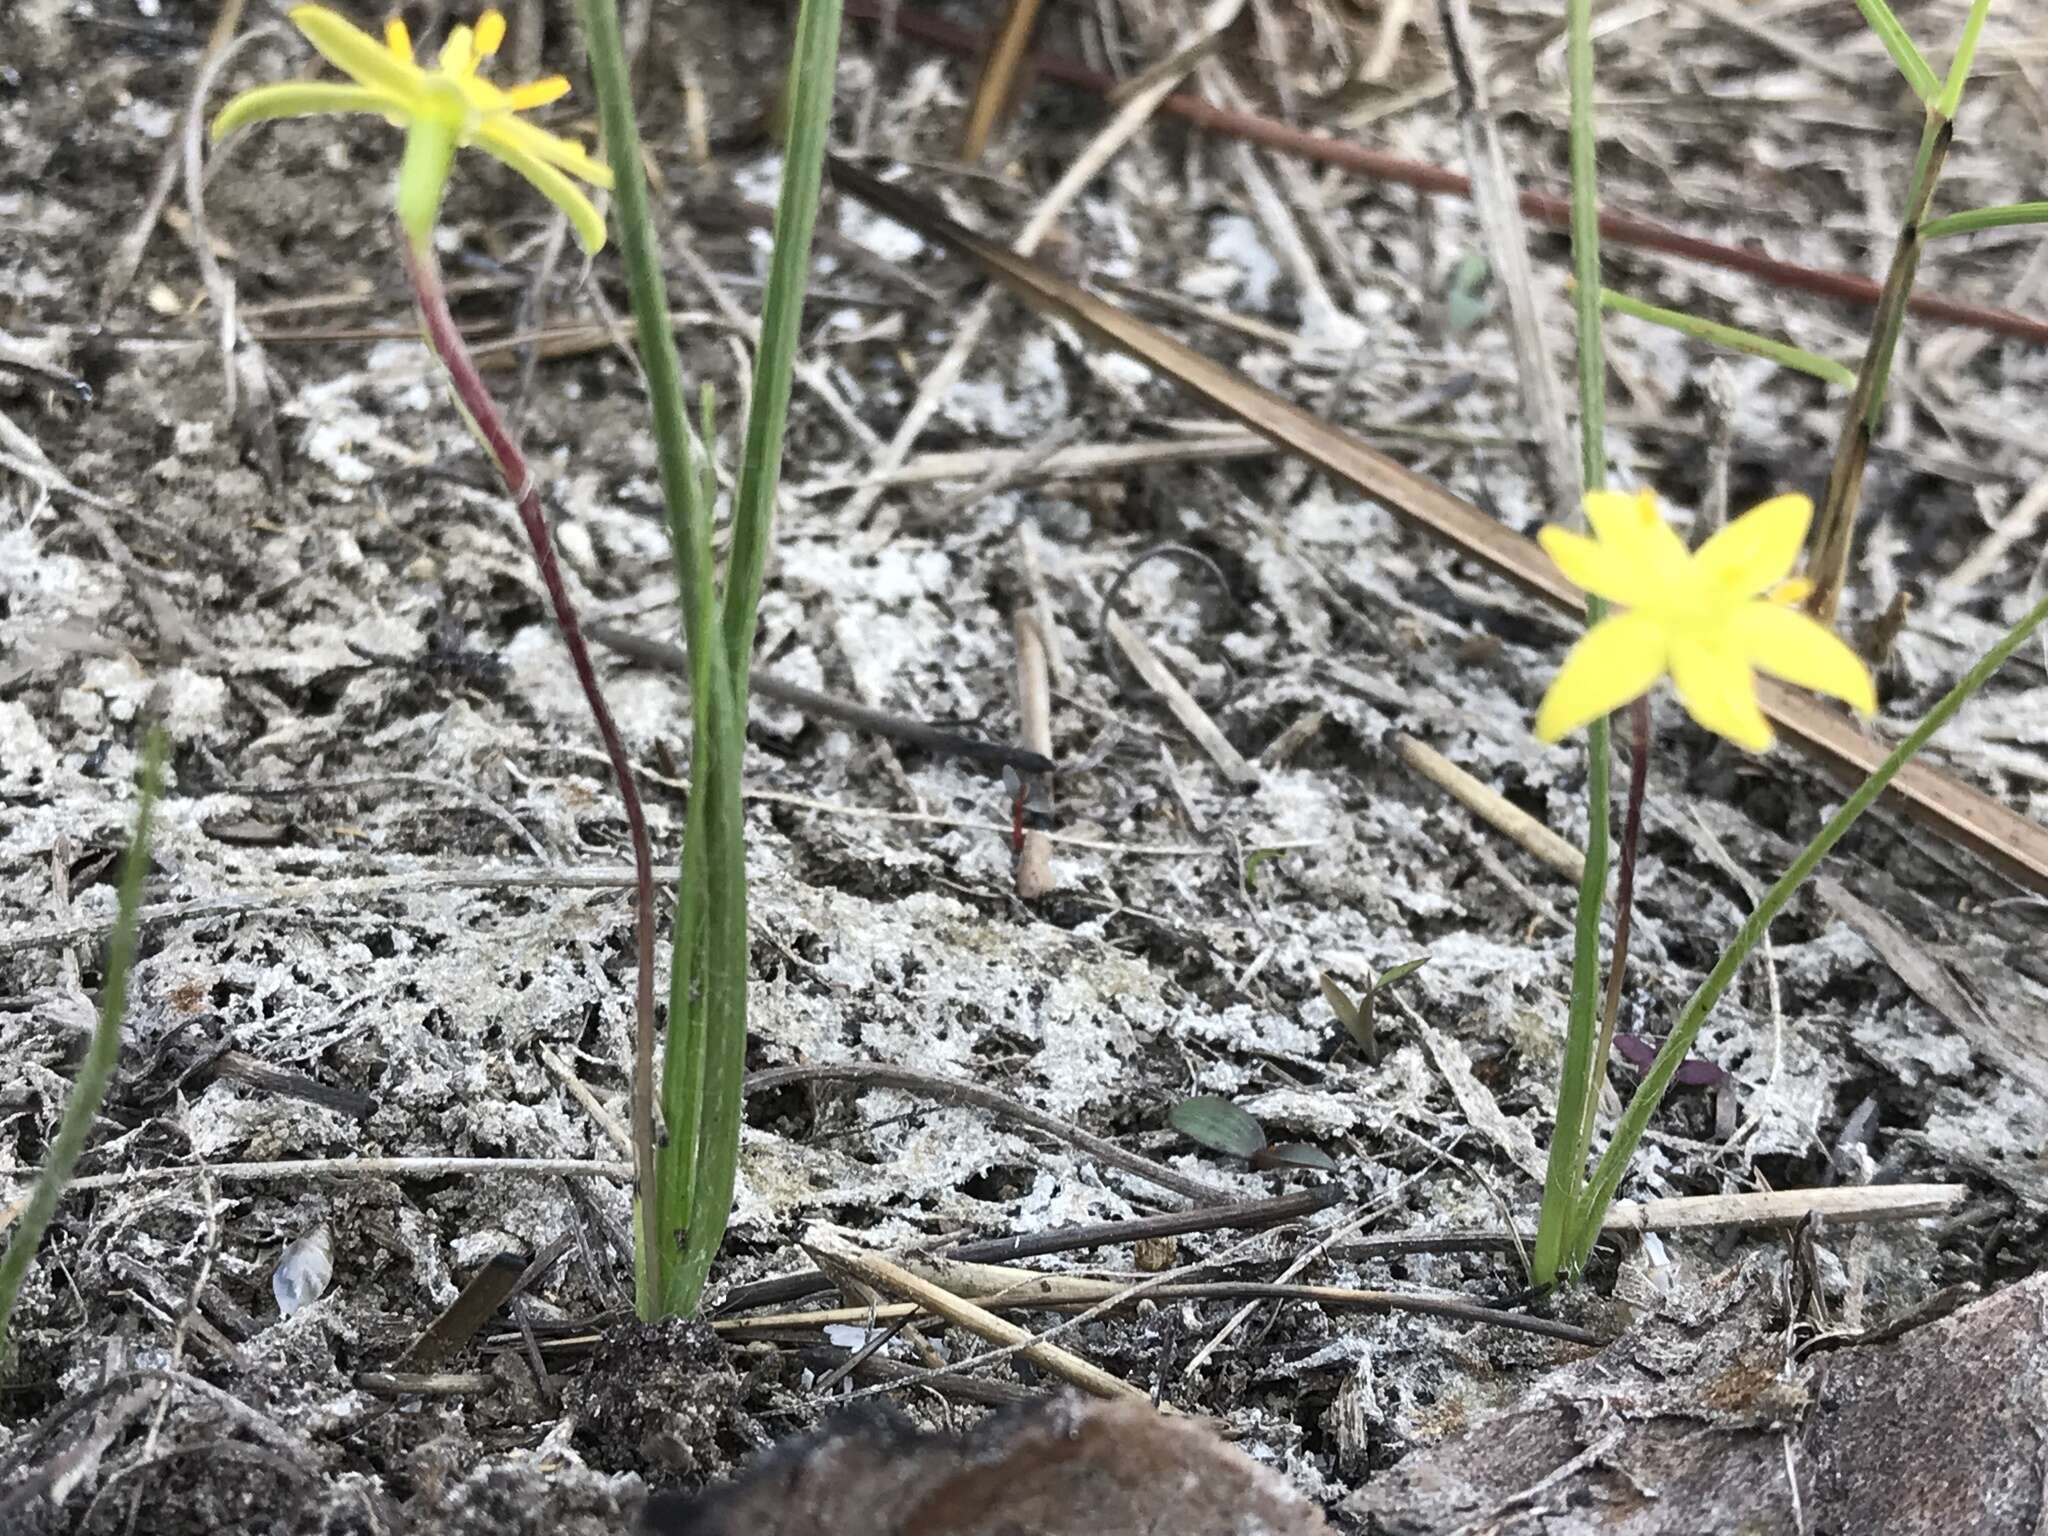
column 1016, row 466
column 223, row 1402
column 1007, row 469
column 833, row 1250
column 245, row 374
column 1034, row 710
column 1731, row 17
column 1491, row 807
column 1295, row 1266
column 1964, row 816
column 1991, row 554
column 995, row 88
column 1110, row 1295
column 1842, row 1206
column 580, row 1091
column 1032, row 569
column 1621, row 228
column 1240, row 1215
column 1507, row 244
column 1111, row 460
column 1193, row 718
column 287, row 900
column 952, row 1091
column 1785, row 1208
column 428, row 1384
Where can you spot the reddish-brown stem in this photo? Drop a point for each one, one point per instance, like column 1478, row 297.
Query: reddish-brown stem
column 489, row 424
column 1621, row 228
column 1624, row 895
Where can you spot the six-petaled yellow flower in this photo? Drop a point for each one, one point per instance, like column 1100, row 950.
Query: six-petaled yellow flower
column 1710, row 618
column 441, row 109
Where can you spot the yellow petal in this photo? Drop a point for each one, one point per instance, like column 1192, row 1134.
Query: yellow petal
column 398, row 39
column 1792, row 645
column 458, row 54
column 490, row 33
column 355, row 53
column 296, row 99
column 1719, row 691
column 536, row 93
column 551, row 184
column 1631, row 525
column 1592, row 566
column 552, row 149
column 1790, row 593
column 1758, row 550
column 1615, row 661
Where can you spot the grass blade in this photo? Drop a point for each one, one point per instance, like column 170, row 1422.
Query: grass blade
column 98, row 1069
column 703, row 999
column 1912, row 64
column 1951, row 99
column 1783, row 353
column 1984, row 218
column 811, row 78
column 1577, row 1093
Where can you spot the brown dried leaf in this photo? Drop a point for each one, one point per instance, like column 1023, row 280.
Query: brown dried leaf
column 1072, row 1467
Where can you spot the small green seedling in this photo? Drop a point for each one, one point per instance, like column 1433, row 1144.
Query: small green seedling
column 1256, row 859
column 1359, row 1015
column 1469, row 297
column 1221, row 1126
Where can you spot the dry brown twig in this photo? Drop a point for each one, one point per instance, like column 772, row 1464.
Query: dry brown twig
column 836, row 1251
column 1507, row 244
column 1034, row 710
column 1186, row 709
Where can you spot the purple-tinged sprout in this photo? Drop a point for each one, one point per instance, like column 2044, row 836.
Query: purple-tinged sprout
column 1693, row 1072
column 1635, row 1050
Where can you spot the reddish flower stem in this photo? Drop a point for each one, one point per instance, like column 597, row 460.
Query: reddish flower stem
column 489, row 424
column 1624, row 898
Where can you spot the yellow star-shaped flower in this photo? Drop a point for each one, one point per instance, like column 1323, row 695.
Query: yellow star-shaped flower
column 441, row 109
column 1711, row 618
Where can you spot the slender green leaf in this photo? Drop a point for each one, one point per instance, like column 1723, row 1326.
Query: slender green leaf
column 1217, row 1124
column 1256, row 859
column 1343, row 1006
column 809, row 94
column 1784, row 354
column 1951, row 98
column 1984, row 218
column 1918, row 72
column 1395, row 974
column 83, row 1106
column 708, row 978
column 1565, row 1173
